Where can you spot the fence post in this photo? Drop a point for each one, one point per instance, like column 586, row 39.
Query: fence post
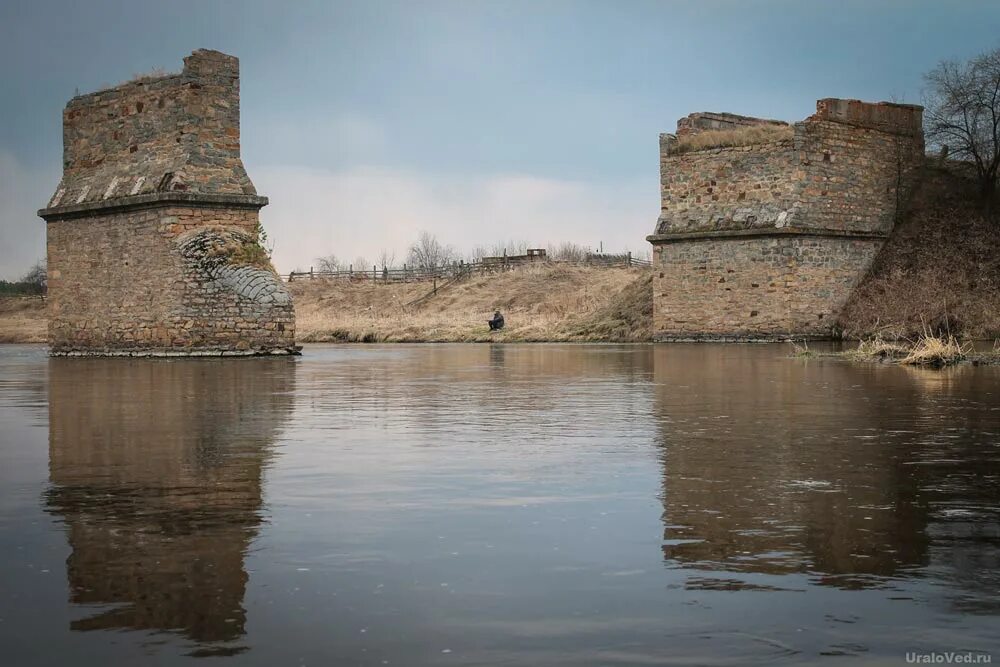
column 629, row 258
column 310, row 273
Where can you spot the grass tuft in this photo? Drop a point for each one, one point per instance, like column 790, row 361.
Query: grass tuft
column 936, row 351
column 878, row 349
column 928, row 350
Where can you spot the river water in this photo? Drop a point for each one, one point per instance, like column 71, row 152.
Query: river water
column 496, row 505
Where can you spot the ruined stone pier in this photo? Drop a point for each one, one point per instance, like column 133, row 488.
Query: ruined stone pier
column 767, row 240
column 152, row 232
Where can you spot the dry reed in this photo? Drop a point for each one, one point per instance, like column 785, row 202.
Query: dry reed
column 878, row 349
column 928, row 350
column 936, row 351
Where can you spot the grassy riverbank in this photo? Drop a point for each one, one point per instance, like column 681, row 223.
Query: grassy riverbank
column 540, row 303
column 22, row 320
column 940, row 269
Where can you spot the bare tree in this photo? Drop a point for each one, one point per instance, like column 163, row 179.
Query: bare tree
column 330, row 263
column 512, row 247
column 478, row 253
column 387, row 259
column 428, row 253
column 570, row 252
column 37, row 277
column 962, row 112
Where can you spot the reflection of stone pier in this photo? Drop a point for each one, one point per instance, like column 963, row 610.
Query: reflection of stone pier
column 156, row 471
column 774, row 466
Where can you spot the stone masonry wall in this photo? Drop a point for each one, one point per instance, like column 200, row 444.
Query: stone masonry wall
column 179, row 132
column 147, row 228
column 770, row 239
column 120, row 283
column 726, row 188
column 764, row 287
column 834, row 174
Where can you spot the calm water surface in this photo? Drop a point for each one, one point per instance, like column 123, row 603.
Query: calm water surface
column 496, row 505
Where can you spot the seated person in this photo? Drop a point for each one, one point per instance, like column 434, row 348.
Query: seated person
column 497, row 322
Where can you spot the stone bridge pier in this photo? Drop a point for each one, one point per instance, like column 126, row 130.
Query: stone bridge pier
column 767, row 238
column 152, row 231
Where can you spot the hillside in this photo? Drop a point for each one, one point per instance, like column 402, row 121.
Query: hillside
column 940, row 270
column 540, row 303
column 22, row 320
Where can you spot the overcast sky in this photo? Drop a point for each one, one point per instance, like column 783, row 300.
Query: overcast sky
column 368, row 121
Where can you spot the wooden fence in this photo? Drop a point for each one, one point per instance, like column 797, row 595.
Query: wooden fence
column 455, row 270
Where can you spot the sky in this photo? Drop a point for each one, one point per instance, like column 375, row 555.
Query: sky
column 366, row 122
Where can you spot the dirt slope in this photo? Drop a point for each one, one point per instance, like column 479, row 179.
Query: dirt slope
column 940, row 269
column 22, row 320
column 540, row 303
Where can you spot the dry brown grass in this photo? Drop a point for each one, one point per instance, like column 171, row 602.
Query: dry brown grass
column 23, row 320
column 940, row 270
column 151, row 75
column 878, row 349
column 750, row 135
column 936, row 351
column 927, row 350
column 540, row 303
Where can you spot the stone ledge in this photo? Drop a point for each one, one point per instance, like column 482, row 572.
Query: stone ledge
column 154, row 200
column 215, row 353
column 762, row 232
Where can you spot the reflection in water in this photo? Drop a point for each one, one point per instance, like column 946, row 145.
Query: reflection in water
column 841, row 472
column 490, row 504
column 155, row 469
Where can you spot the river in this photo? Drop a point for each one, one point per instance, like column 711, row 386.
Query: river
column 497, row 505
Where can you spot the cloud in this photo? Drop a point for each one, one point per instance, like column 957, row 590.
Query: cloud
column 297, row 138
column 360, row 211
column 23, row 191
